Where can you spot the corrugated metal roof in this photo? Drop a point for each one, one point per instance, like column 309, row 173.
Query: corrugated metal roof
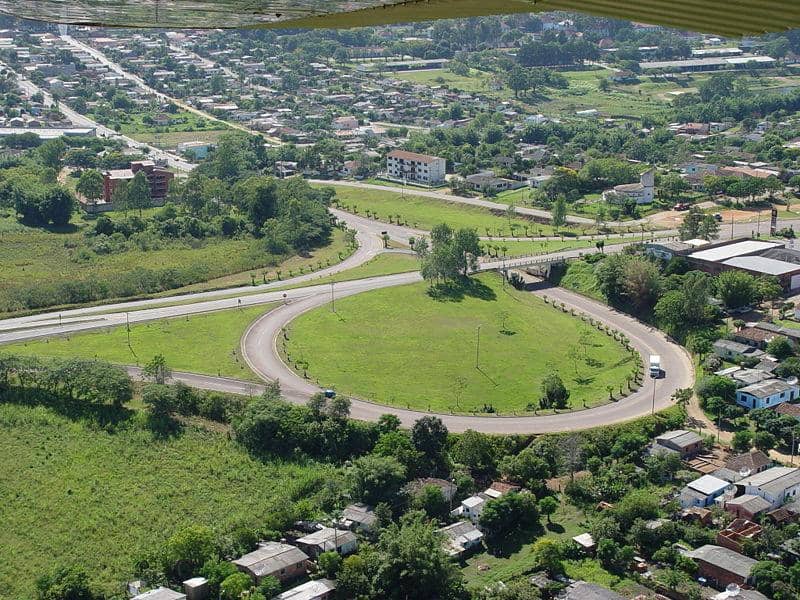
column 761, row 264
column 721, row 253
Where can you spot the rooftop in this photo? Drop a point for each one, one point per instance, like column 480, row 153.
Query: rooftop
column 766, row 388
column 581, row 590
column 760, row 264
column 270, row 557
column 680, row 437
column 774, row 480
column 753, row 460
column 708, row 484
column 725, row 559
column 308, row 590
column 160, row 593
column 728, row 251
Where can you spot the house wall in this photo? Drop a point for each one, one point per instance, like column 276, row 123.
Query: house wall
column 719, row 576
column 413, row 170
column 749, row 401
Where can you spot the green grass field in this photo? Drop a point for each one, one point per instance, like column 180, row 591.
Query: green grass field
column 374, row 340
column 75, row 494
column 29, row 255
column 580, row 278
column 424, row 213
column 207, row 343
column 171, row 139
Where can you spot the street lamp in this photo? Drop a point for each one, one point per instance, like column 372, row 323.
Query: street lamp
column 478, row 348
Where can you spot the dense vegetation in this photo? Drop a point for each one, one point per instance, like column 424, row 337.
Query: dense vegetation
column 210, row 227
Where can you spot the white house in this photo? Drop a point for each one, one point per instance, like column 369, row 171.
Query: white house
column 703, row 491
column 642, row 192
column 461, row 537
column 410, row 166
column 767, row 393
column 776, row 485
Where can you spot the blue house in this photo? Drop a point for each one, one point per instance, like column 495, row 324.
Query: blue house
column 767, row 393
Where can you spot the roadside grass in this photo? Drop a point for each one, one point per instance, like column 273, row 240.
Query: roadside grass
column 383, row 264
column 206, row 343
column 182, row 120
column 422, row 212
column 81, row 495
column 579, row 277
column 374, row 340
column 526, row 247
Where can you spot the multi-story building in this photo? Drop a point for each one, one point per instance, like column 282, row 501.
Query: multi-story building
column 157, row 177
column 420, row 168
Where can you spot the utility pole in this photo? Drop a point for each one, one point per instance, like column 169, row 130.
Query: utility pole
column 333, row 305
column 654, row 395
column 731, row 224
column 128, row 328
column 478, row 348
column 758, row 224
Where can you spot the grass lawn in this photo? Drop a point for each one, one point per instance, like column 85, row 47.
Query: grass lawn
column 374, row 340
column 424, row 213
column 487, row 568
column 477, row 81
column 207, row 344
column 173, row 138
column 71, row 493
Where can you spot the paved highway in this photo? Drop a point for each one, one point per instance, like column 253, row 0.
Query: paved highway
column 79, row 120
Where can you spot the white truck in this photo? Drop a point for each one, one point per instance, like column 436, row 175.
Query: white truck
column 655, row 366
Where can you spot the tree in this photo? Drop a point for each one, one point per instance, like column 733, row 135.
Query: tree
column 554, row 392
column 411, row 557
column 234, row 586
column 690, row 227
column 138, row 193
column 742, row 441
column 780, row 347
column 736, row 288
column 547, row 555
column 160, row 400
column 376, row 479
column 642, row 283
column 65, row 583
column 52, row 153
column 513, row 511
column 766, row 573
column 157, row 369
column 672, row 186
column 559, row 212
column 708, row 228
column 715, row 385
column 431, row 501
column 547, row 506
column 764, row 441
column 527, row 468
column 329, row 563
column 187, row 551
column 90, row 185
column 475, row 451
column 518, row 80
column 429, row 436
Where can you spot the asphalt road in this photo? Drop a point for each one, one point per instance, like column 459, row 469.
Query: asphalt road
column 79, row 120
column 137, row 311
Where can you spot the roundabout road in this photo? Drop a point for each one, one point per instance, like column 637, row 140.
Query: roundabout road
column 259, row 349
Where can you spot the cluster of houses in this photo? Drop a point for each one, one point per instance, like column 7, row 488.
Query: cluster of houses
column 289, row 560
column 747, row 486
